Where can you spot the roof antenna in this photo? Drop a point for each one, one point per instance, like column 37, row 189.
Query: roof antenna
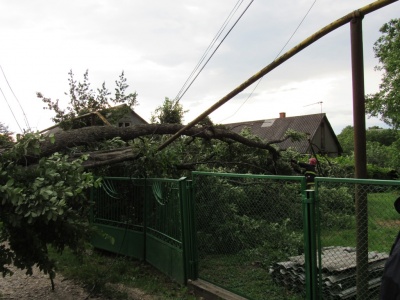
column 320, row 102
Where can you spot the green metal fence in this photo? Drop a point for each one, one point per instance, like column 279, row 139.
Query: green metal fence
column 148, row 219
column 358, row 225
column 266, row 237
column 246, row 225
column 262, row 237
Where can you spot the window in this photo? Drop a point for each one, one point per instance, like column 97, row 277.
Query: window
column 124, row 124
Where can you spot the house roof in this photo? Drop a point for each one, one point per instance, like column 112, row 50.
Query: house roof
column 131, row 112
column 275, row 129
column 103, row 119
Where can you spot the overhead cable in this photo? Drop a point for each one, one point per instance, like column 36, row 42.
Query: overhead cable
column 218, row 34
column 183, row 90
column 255, row 87
column 9, row 86
column 5, row 98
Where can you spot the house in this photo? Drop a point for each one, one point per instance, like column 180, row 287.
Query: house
column 127, row 118
column 317, row 127
column 120, row 115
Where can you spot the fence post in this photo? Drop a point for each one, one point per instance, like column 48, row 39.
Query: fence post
column 310, row 244
column 188, row 229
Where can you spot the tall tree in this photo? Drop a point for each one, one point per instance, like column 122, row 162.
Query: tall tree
column 386, row 102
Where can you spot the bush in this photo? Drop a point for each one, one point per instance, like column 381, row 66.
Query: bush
column 336, row 207
column 235, row 214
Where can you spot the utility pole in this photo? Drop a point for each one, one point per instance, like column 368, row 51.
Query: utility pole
column 360, row 156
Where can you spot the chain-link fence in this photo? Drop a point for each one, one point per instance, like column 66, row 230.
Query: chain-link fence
column 358, row 225
column 246, row 225
column 265, row 237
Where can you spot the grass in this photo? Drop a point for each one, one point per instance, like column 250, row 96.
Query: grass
column 244, row 277
column 383, row 225
column 101, row 272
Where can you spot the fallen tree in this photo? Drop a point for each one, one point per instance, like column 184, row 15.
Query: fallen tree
column 96, row 134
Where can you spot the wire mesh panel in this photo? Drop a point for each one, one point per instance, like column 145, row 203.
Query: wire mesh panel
column 118, row 203
column 163, row 219
column 145, row 218
column 248, row 229
column 358, row 225
column 117, row 212
column 164, row 243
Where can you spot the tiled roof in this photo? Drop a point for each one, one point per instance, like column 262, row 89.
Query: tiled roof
column 275, row 129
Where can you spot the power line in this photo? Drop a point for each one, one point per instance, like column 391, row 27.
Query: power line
column 23, row 112
column 301, row 22
column 5, row 98
column 183, row 90
column 235, row 8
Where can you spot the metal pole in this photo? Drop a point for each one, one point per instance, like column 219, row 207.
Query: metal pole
column 359, row 154
column 310, row 246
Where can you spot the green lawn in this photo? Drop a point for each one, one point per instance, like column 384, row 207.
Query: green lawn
column 383, row 225
column 239, row 274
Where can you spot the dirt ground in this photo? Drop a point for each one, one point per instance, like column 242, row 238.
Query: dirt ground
column 38, row 286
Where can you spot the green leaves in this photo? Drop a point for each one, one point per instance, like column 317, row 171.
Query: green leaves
column 42, row 204
column 386, row 102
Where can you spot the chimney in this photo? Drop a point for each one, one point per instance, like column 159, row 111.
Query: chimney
column 282, row 115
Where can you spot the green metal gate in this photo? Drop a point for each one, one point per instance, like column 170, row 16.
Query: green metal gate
column 148, row 219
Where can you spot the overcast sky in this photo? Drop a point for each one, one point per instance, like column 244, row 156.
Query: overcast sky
column 158, row 43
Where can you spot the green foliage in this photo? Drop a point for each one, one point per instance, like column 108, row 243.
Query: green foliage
column 381, row 148
column 5, row 136
column 346, row 140
column 84, row 100
column 343, row 167
column 295, row 135
column 42, row 204
column 386, row 102
column 340, row 167
column 242, row 215
column 337, row 207
column 385, row 137
column 171, row 112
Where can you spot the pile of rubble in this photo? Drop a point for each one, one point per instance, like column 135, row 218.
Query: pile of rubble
column 338, row 272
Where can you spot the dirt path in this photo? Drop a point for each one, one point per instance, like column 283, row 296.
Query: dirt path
column 38, row 287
